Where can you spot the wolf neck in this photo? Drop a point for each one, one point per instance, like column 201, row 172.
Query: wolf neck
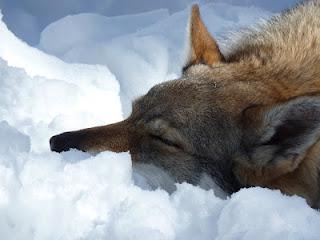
column 287, row 48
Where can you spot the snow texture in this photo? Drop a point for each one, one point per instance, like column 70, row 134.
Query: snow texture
column 84, row 70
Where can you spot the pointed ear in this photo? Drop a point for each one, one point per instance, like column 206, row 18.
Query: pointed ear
column 277, row 138
column 202, row 48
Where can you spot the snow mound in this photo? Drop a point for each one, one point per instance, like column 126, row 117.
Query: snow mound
column 42, row 95
column 45, row 195
column 264, row 214
column 36, row 63
column 88, row 27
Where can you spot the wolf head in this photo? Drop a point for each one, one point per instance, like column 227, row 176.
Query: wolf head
column 226, row 116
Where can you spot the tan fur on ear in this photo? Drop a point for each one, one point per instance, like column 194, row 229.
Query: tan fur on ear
column 203, row 48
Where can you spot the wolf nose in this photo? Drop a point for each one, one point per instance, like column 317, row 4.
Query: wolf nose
column 63, row 142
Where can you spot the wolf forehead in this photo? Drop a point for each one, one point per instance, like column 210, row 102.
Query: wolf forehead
column 176, row 99
column 201, row 90
column 193, row 106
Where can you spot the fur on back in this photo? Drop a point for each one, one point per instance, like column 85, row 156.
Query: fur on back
column 286, row 48
column 293, row 34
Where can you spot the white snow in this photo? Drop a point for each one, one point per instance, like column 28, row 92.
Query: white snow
column 100, row 64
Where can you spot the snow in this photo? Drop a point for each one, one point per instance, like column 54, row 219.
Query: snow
column 88, row 27
column 84, row 70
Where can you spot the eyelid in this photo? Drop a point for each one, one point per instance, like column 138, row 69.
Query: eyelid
column 165, row 141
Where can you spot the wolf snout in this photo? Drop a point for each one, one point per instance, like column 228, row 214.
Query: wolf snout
column 63, row 142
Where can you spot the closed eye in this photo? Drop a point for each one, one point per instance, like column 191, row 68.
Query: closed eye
column 165, row 141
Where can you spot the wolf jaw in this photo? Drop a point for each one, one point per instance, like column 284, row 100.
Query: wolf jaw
column 250, row 117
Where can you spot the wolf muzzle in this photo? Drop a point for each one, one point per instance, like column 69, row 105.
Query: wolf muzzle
column 65, row 141
column 113, row 137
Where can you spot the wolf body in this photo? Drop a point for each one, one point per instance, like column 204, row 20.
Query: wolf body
column 249, row 116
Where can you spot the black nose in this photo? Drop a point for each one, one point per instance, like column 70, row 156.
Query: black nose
column 64, row 142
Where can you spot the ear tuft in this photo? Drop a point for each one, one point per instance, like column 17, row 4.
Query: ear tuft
column 195, row 10
column 202, row 47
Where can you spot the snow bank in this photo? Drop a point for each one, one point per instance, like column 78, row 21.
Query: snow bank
column 45, row 195
column 45, row 95
column 88, row 27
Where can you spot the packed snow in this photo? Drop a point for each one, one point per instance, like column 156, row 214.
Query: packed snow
column 84, row 70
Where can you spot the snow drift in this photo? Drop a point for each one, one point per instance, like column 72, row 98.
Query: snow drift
column 45, row 195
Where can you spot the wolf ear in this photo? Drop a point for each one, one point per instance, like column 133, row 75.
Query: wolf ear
column 278, row 137
column 202, row 48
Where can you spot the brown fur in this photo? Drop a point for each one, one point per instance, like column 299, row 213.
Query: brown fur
column 249, row 116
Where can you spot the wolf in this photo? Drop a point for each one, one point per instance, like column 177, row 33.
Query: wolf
column 246, row 116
